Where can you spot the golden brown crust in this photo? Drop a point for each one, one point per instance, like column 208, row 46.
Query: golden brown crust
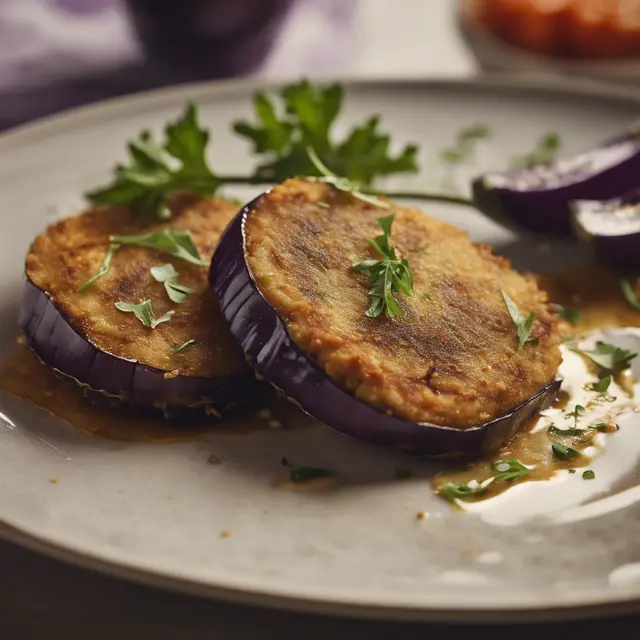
column 71, row 251
column 452, row 359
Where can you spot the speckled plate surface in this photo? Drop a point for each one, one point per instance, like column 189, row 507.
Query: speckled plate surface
column 157, row 512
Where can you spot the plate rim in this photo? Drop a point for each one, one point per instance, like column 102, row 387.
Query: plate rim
column 590, row 606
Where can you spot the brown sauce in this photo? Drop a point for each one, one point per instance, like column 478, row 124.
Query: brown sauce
column 24, row 376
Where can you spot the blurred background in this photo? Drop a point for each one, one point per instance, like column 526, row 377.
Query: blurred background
column 60, row 53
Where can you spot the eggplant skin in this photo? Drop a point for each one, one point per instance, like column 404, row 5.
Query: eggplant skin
column 539, row 199
column 267, row 341
column 111, row 354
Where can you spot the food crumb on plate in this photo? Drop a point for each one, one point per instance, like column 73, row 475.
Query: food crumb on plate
column 225, row 534
column 54, row 480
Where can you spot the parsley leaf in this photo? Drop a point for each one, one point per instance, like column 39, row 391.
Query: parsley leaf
column 302, row 116
column 602, row 386
column 578, row 410
column 507, row 470
column 452, row 491
column 168, row 275
column 629, row 294
column 589, row 474
column 386, row 276
column 104, row 267
column 144, row 313
column 563, row 452
column 570, row 314
column 464, row 145
column 545, row 152
column 523, row 326
column 182, row 347
column 567, row 433
column 609, row 357
column 343, row 184
column 155, row 171
column 175, row 242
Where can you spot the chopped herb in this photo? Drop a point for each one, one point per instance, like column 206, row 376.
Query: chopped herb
column 629, row 294
column 403, row 474
column 343, row 184
column 604, row 427
column 104, row 267
column 545, row 152
column 302, row 115
column 562, row 452
column 523, row 326
column 589, row 474
column 175, row 242
column 168, row 275
column 575, row 414
column 609, row 357
column 464, row 145
column 570, row 314
column 452, row 491
column 572, row 470
column 567, row 433
column 602, row 386
column 427, row 296
column 387, row 275
column 300, row 475
column 508, row 470
column 144, row 313
column 182, row 347
column 156, row 171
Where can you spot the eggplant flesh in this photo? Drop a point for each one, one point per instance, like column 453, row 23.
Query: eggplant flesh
column 611, row 227
column 538, row 198
column 276, row 358
column 111, row 354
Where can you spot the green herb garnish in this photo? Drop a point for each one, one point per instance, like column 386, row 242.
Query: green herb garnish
column 545, row 152
column 300, row 475
column 602, row 386
column 629, row 294
column 567, row 433
column 589, row 474
column 464, row 145
column 609, row 357
column 387, row 275
column 571, row 470
column 104, row 267
column 508, row 470
column 156, row 171
column 523, row 326
column 304, row 118
column 570, row 314
column 452, row 491
column 182, row 347
column 578, row 410
column 168, row 275
column 403, row 474
column 144, row 313
column 175, row 242
column 343, row 184
column 563, row 452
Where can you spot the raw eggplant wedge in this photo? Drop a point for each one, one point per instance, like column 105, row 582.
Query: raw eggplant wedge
column 294, row 246
column 112, row 355
column 538, row 198
column 611, row 228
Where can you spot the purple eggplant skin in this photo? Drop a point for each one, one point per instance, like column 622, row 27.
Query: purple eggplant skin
column 108, row 378
column 275, row 357
column 538, row 198
column 611, row 228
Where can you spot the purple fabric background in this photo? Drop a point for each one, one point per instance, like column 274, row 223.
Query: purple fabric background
column 56, row 54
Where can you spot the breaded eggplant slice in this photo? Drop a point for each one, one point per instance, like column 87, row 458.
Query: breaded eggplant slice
column 85, row 337
column 452, row 361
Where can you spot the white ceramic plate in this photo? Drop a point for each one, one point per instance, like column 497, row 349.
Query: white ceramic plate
column 156, row 512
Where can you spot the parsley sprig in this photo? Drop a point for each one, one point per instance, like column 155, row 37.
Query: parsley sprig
column 544, row 152
column 608, row 357
column 464, row 145
column 523, row 325
column 299, row 117
column 387, row 275
column 144, row 313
